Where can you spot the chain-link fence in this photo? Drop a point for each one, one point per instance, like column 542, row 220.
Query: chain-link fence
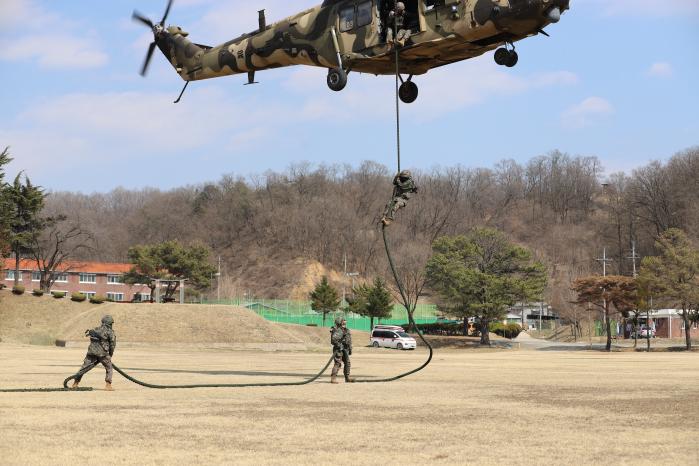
column 300, row 312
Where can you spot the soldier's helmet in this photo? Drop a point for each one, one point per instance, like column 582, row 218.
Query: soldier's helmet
column 107, row 320
column 339, row 320
column 405, row 175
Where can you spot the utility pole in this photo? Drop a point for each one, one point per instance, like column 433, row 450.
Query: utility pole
column 633, row 257
column 218, row 282
column 604, row 261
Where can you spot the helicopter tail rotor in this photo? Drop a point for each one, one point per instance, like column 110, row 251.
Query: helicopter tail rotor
column 157, row 29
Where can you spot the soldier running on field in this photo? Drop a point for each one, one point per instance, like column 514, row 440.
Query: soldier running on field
column 341, row 339
column 101, row 350
column 403, row 188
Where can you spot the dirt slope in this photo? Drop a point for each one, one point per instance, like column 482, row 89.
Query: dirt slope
column 28, row 319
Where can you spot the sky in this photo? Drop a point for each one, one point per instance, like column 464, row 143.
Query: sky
column 617, row 79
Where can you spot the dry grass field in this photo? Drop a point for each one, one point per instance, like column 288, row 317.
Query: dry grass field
column 467, row 407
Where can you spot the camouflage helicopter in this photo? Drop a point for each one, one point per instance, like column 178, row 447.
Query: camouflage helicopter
column 351, row 35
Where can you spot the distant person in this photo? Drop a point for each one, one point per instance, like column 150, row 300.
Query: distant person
column 101, row 350
column 341, row 339
column 403, row 188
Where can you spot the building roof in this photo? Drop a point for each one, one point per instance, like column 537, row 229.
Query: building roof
column 26, row 265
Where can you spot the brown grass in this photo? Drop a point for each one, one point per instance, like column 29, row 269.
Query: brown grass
column 485, row 407
column 41, row 320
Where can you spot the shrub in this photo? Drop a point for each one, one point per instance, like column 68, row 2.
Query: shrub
column 97, row 299
column 18, row 289
column 78, row 297
column 37, row 292
column 58, row 294
column 510, row 330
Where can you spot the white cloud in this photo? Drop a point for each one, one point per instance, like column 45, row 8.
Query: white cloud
column 54, row 51
column 226, row 20
column 23, row 14
column 661, row 70
column 23, row 38
column 587, row 112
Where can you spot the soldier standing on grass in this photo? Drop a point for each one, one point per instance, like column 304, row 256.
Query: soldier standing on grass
column 341, row 339
column 101, row 350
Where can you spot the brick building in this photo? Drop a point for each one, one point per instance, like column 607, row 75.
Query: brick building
column 669, row 324
column 89, row 278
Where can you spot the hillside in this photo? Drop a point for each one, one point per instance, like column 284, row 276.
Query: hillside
column 28, row 319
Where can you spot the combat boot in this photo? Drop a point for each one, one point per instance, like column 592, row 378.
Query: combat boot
column 108, row 387
column 349, row 380
column 333, row 379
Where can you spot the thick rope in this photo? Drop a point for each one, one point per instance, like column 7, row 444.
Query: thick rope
column 395, row 33
column 227, row 385
column 411, row 320
column 401, row 290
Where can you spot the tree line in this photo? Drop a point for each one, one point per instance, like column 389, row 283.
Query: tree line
column 559, row 206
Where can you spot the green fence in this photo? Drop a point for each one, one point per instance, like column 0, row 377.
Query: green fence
column 300, row 312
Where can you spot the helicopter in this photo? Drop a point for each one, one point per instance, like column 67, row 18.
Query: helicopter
column 353, row 35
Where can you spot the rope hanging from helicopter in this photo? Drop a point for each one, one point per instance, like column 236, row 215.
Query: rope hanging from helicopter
column 406, row 303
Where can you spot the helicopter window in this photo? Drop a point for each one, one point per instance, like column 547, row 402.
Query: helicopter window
column 364, row 14
column 346, row 18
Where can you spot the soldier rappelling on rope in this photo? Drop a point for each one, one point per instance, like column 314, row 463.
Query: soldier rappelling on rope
column 403, row 188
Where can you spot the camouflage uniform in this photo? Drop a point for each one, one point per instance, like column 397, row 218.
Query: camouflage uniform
column 341, row 339
column 403, row 187
column 396, row 19
column 101, row 350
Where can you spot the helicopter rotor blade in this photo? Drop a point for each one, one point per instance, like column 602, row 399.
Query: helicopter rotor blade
column 136, row 16
column 167, row 13
column 151, row 49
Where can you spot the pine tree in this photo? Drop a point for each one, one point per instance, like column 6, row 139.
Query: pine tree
column 603, row 292
column 4, row 205
column 325, row 298
column 674, row 273
column 380, row 301
column 371, row 301
column 481, row 275
column 25, row 204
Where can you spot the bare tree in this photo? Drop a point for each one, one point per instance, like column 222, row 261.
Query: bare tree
column 59, row 241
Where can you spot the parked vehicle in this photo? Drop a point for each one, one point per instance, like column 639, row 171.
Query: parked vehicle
column 643, row 332
column 392, row 336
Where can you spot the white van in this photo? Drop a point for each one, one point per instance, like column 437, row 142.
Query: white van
column 392, row 336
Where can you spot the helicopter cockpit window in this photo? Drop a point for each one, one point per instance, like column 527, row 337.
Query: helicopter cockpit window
column 364, row 14
column 346, row 18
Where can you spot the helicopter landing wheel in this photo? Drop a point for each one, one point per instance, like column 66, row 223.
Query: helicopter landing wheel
column 408, row 92
column 505, row 57
column 337, row 79
column 512, row 59
column 501, row 56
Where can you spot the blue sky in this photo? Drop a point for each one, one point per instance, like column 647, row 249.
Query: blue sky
column 617, row 79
